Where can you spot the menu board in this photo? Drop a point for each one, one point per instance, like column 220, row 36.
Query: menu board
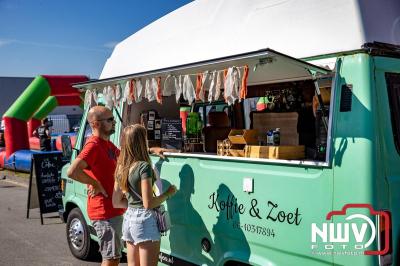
column 44, row 183
column 171, row 131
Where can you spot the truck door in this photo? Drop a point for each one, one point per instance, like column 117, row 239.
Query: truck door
column 387, row 83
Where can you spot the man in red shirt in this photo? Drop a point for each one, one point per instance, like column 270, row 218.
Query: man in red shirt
column 95, row 166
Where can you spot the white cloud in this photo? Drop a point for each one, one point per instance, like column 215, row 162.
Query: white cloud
column 4, row 42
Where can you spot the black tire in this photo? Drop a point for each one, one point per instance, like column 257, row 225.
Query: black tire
column 78, row 237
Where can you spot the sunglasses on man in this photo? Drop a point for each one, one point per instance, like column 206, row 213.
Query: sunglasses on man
column 110, row 119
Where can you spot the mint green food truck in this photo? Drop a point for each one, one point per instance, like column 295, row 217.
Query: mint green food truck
column 278, row 160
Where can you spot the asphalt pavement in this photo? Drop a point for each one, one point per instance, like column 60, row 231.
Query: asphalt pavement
column 25, row 241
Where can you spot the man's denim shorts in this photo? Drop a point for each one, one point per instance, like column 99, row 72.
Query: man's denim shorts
column 109, row 234
column 140, row 225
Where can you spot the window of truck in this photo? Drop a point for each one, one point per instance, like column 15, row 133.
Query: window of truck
column 283, row 118
column 393, row 85
column 289, row 109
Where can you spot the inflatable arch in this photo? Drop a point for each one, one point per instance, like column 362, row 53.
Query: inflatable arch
column 36, row 102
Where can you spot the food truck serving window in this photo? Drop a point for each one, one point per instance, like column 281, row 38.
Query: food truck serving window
column 263, row 106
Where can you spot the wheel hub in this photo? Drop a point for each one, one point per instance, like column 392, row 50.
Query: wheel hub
column 76, row 234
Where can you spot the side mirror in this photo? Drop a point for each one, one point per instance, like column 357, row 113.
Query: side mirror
column 67, row 146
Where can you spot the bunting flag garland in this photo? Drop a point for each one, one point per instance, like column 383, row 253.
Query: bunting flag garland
column 90, row 98
column 231, row 85
column 178, row 88
column 169, row 85
column 139, row 90
column 218, row 86
column 229, row 80
column 243, row 88
column 118, row 94
column 148, row 91
column 132, row 87
column 108, row 97
column 125, row 97
column 202, row 89
column 153, row 90
column 189, row 93
column 159, row 92
column 212, row 88
column 198, row 85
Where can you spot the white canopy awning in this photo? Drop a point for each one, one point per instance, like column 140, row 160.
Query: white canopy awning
column 207, row 29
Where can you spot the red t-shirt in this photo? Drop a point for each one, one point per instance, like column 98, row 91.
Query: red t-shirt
column 101, row 157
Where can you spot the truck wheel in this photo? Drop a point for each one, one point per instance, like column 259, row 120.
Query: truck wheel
column 78, row 236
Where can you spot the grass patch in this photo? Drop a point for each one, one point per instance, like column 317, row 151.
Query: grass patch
column 5, row 172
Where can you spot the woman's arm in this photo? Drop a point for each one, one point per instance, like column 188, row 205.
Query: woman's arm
column 150, row 201
column 118, row 198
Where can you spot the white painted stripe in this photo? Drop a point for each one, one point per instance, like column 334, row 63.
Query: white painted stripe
column 15, row 183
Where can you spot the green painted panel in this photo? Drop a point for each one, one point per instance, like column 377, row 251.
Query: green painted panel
column 46, row 108
column 356, row 158
column 30, row 100
column 210, row 203
column 390, row 156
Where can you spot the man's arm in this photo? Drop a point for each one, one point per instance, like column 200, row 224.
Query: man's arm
column 48, row 132
column 158, row 151
column 75, row 171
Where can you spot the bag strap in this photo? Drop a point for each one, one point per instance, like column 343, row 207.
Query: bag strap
column 131, row 188
column 137, row 194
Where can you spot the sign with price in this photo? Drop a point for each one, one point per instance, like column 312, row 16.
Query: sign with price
column 171, row 131
column 44, row 184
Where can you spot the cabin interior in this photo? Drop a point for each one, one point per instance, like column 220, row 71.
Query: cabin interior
column 285, row 114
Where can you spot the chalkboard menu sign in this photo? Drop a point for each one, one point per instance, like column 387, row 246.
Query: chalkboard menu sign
column 171, row 131
column 44, row 183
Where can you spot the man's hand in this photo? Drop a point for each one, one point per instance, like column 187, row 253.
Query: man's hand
column 158, row 151
column 96, row 189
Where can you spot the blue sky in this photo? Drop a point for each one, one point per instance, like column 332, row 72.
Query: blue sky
column 69, row 36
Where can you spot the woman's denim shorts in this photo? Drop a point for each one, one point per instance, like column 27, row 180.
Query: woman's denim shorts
column 140, row 225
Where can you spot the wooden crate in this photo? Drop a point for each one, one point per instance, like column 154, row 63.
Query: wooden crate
column 275, row 152
column 243, row 136
column 223, row 147
column 226, row 148
column 236, row 152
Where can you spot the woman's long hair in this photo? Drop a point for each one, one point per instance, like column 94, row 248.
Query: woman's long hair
column 133, row 149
